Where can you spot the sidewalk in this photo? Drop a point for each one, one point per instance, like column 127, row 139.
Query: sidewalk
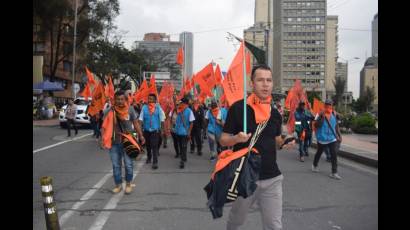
column 357, row 147
column 46, row 123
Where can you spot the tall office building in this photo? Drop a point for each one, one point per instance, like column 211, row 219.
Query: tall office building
column 163, row 53
column 299, row 48
column 375, row 36
column 341, row 72
column 331, row 54
column 261, row 33
column 369, row 77
column 187, row 41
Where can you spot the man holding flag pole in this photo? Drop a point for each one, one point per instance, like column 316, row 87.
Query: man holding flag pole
column 262, row 120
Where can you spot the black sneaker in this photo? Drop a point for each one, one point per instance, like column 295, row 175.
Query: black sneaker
column 212, row 159
column 199, row 153
column 306, row 154
column 154, row 166
column 176, row 156
column 165, row 146
column 181, row 165
column 192, row 151
column 148, row 161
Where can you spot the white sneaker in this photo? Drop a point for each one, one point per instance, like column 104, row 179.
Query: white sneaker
column 315, row 169
column 335, row 176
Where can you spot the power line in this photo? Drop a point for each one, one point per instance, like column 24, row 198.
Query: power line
column 236, row 27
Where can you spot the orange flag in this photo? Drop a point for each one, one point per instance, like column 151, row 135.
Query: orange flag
column 248, row 63
column 317, row 106
column 233, row 82
column 188, row 85
column 295, row 95
column 180, row 56
column 107, row 130
column 202, row 97
column 98, row 100
column 152, row 85
column 192, row 81
column 90, row 77
column 165, row 97
column 181, row 94
column 218, row 75
column 206, row 79
column 86, row 92
column 109, row 90
column 142, row 92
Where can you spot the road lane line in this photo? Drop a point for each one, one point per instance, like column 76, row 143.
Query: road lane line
column 59, row 143
column 84, row 198
column 112, row 203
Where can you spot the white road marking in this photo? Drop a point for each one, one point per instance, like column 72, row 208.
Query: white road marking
column 60, row 143
column 112, row 203
column 84, row 198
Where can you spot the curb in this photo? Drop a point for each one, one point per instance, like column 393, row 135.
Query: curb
column 46, row 125
column 360, row 159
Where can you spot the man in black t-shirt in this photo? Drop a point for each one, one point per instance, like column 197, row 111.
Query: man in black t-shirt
column 268, row 193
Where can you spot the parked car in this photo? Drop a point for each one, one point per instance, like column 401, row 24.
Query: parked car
column 81, row 117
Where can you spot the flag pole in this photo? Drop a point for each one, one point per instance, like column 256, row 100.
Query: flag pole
column 244, row 88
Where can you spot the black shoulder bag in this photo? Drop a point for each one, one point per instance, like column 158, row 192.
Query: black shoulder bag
column 132, row 150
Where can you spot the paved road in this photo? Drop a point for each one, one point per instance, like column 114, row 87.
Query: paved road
column 171, row 198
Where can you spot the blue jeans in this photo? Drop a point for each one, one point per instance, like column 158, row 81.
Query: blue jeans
column 116, row 154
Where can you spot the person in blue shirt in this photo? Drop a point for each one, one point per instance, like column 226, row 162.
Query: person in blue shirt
column 152, row 118
column 328, row 136
column 183, row 127
column 220, row 120
column 303, row 128
column 214, row 128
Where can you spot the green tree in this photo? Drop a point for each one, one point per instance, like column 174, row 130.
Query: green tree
column 56, row 20
column 363, row 103
column 312, row 95
column 339, row 85
column 368, row 97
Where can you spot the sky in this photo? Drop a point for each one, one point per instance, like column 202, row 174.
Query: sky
column 210, row 21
